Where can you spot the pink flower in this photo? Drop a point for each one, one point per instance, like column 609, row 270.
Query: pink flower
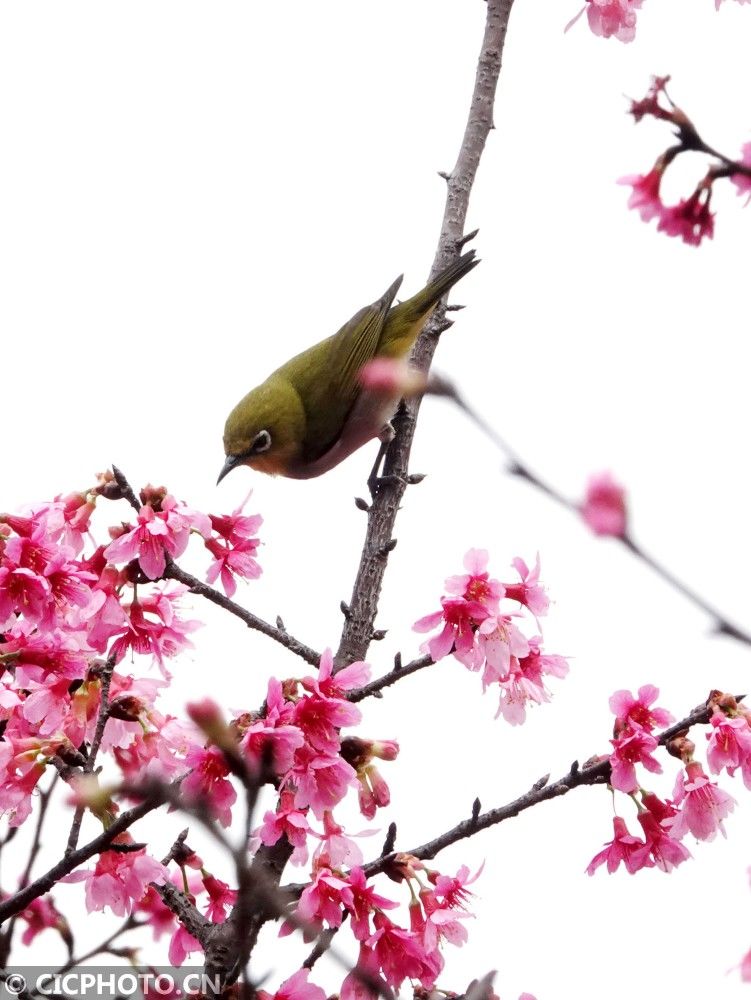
column 22, row 591
column 704, row 806
column 155, row 627
column 458, row 632
column 365, row 981
column 266, row 743
column 322, row 901
column 633, row 746
column 73, row 515
column 235, row 547
column 41, row 914
column 221, row 898
column 604, row 506
column 181, row 945
column 321, row 781
column 391, row 377
column 690, row 219
column 666, row 852
column 336, row 849
column 525, row 681
column 119, row 880
column 287, row 821
column 335, row 685
column 207, row 782
column 374, row 792
column 730, row 745
column 645, row 196
column 321, row 718
column 157, row 532
column 402, row 955
column 743, row 181
column 608, row 18
column 445, row 906
column 296, row 987
column 622, row 849
column 476, row 585
column 20, row 771
column 475, row 596
column 530, row 591
column 498, row 642
column 158, row 915
column 629, row 710
column 365, row 901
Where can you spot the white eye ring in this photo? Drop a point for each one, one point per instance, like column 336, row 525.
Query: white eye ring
column 261, row 443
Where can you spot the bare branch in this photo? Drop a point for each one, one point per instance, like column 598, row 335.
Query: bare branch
column 358, row 627
column 518, row 467
column 281, row 636
column 597, row 773
column 394, row 675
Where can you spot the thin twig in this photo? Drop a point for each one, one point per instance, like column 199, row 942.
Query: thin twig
column 6, row 939
column 597, row 773
column 21, row 899
column 518, row 467
column 283, row 637
column 88, row 768
column 129, row 924
column 394, row 675
column 196, row 586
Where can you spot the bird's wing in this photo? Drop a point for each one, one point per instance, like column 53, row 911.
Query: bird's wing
column 325, row 376
column 355, row 344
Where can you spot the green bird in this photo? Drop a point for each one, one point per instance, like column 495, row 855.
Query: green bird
column 312, row 413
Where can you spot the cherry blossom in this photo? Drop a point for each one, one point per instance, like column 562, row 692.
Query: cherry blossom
column 234, row 547
column 161, row 530
column 743, row 181
column 645, row 196
column 119, row 879
column 604, row 506
column 730, row 745
column 296, row 987
column 631, row 747
column 623, row 849
column 637, row 711
column 702, row 805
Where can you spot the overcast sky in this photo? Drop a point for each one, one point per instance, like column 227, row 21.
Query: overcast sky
column 190, row 193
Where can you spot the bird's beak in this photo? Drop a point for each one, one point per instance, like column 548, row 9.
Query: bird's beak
column 229, row 465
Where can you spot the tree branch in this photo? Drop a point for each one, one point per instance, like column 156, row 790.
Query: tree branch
column 379, row 540
column 196, row 586
column 21, row 899
column 596, row 773
column 395, row 674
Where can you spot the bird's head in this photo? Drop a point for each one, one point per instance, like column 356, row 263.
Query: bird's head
column 265, row 430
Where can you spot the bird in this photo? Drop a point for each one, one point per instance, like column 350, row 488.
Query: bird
column 313, row 412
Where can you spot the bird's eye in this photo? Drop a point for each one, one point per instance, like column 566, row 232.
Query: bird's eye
column 261, row 443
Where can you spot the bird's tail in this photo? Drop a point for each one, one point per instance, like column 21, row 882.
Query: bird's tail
column 435, row 290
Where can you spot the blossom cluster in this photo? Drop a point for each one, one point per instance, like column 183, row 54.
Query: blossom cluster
column 68, row 619
column 698, row 805
column 482, row 635
column 72, row 610
column 690, row 218
column 616, row 18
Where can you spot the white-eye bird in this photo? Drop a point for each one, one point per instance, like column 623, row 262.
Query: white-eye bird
column 313, row 412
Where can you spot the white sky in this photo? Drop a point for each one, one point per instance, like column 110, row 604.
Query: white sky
column 191, row 193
